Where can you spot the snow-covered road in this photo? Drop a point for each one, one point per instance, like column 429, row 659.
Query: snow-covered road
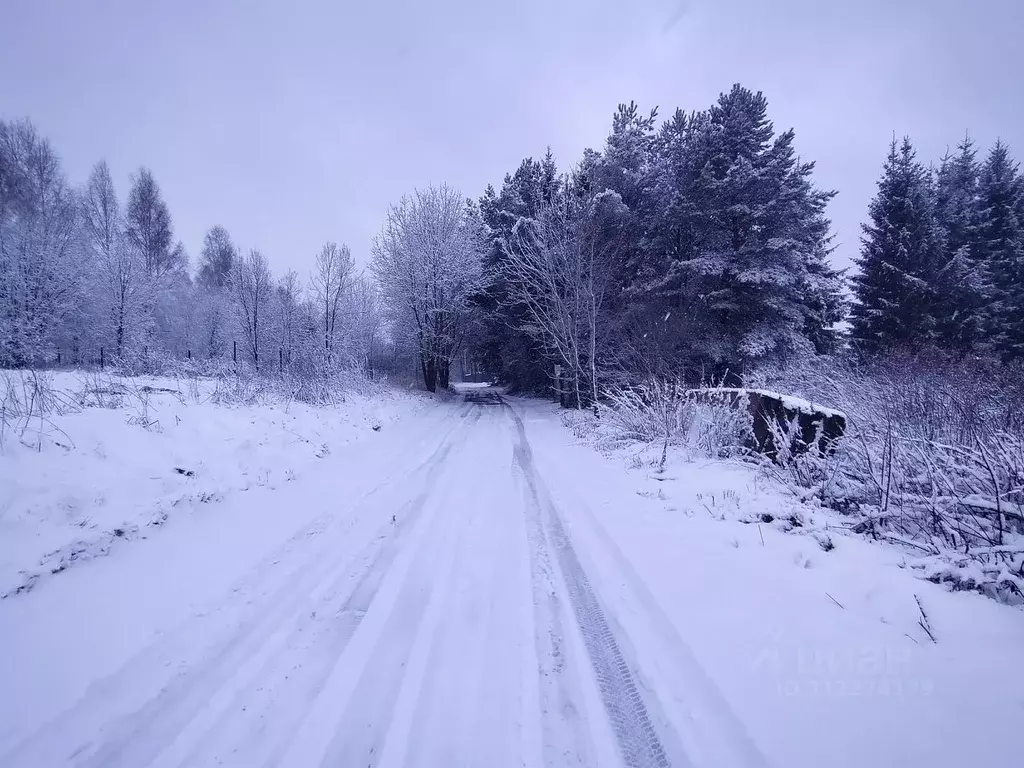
column 452, row 594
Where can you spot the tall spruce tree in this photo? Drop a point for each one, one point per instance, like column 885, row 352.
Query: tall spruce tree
column 1001, row 247
column 896, row 302
column 961, row 279
column 719, row 246
column 746, row 236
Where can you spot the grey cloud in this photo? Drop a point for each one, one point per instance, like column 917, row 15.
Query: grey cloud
column 294, row 123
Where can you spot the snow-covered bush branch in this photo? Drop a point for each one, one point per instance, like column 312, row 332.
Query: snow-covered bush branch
column 934, row 454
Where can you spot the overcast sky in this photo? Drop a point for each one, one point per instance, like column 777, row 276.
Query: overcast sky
column 293, row 122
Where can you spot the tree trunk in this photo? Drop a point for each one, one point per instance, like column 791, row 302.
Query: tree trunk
column 593, row 356
column 430, row 373
column 443, row 373
column 120, row 336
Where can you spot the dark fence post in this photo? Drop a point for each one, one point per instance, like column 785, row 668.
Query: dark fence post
column 234, row 351
column 280, row 360
column 101, row 358
column 58, row 358
column 188, row 353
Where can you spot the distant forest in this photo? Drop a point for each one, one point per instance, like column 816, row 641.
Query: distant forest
column 694, row 248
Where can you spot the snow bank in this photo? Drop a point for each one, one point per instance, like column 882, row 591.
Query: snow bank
column 90, row 479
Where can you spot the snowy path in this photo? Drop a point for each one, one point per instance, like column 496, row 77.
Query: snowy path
column 460, row 602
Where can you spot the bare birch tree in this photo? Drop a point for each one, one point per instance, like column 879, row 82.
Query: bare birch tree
column 329, row 283
column 428, row 261
column 289, row 294
column 148, row 227
column 120, row 273
column 365, row 319
column 253, row 286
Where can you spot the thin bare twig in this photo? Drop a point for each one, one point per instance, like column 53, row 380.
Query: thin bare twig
column 923, row 622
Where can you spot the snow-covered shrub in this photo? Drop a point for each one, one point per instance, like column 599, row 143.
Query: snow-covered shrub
column 101, row 390
column 719, row 431
column 28, row 403
column 582, row 424
column 809, row 470
column 933, row 455
column 655, row 411
column 199, row 368
column 667, row 413
column 241, row 388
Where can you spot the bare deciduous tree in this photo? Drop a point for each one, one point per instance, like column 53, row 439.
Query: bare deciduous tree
column 253, row 288
column 289, row 294
column 120, row 274
column 329, row 284
column 216, row 258
column 364, row 320
column 40, row 265
column 558, row 266
column 214, row 319
column 148, row 227
column 428, row 260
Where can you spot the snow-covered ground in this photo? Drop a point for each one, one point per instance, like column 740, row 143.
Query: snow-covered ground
column 142, row 450
column 470, row 585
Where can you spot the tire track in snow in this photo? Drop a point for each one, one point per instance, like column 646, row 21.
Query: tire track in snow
column 296, row 670
column 166, row 722
column 639, row 743
column 718, row 733
column 367, row 698
column 564, row 742
column 459, row 703
column 307, row 680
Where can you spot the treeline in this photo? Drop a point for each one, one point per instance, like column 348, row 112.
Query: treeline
column 942, row 263
column 698, row 248
column 694, row 248
column 81, row 272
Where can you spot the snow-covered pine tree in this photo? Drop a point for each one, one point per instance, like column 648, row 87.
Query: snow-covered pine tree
column 661, row 335
column 896, row 304
column 626, row 167
column 1001, row 246
column 961, row 280
column 747, row 235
